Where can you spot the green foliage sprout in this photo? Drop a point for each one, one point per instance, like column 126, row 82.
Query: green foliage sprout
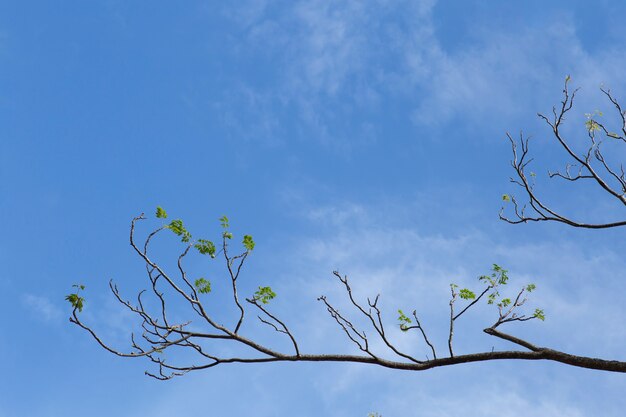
column 248, row 243
column 225, row 225
column 160, row 213
column 505, row 302
column 264, row 295
column 178, row 228
column 404, row 321
column 590, row 123
column 224, row 222
column 205, row 247
column 75, row 299
column 467, row 294
column 499, row 276
column 203, row 286
column 539, row 314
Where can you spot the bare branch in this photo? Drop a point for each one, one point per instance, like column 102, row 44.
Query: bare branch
column 284, row 329
column 473, row 302
column 421, row 329
column 357, row 337
column 451, row 332
column 587, row 170
column 234, row 276
column 377, row 324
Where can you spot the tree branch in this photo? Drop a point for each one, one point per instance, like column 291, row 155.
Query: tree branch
column 161, row 334
column 587, row 168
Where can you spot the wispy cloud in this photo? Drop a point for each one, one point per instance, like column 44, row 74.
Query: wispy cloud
column 494, row 402
column 340, row 66
column 502, row 73
column 331, row 63
column 42, row 308
column 412, row 269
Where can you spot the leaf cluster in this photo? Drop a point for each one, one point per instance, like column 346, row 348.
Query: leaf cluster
column 203, row 286
column 264, row 295
column 404, row 321
column 466, row 294
column 75, row 299
column 248, row 243
column 499, row 276
column 205, row 247
column 160, row 213
column 590, row 123
column 178, row 228
column 224, row 222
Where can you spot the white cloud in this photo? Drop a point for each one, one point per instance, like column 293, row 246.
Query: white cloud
column 329, row 64
column 337, row 215
column 491, row 403
column 497, row 76
column 338, row 65
column 42, row 308
column 577, row 286
column 337, row 45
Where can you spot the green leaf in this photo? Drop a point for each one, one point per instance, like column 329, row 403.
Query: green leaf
column 160, row 213
column 248, row 242
column 178, row 228
column 203, row 286
column 403, row 320
column 530, row 287
column 224, row 222
column 205, row 247
column 504, row 302
column 539, row 314
column 500, row 274
column 466, row 294
column 591, row 124
column 506, row 197
column 264, row 295
column 227, row 235
column 487, row 279
column 76, row 300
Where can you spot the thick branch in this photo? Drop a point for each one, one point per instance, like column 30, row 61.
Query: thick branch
column 159, row 334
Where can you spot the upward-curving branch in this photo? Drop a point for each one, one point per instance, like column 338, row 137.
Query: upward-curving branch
column 588, row 164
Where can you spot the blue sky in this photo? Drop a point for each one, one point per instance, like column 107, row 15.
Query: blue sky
column 367, row 137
